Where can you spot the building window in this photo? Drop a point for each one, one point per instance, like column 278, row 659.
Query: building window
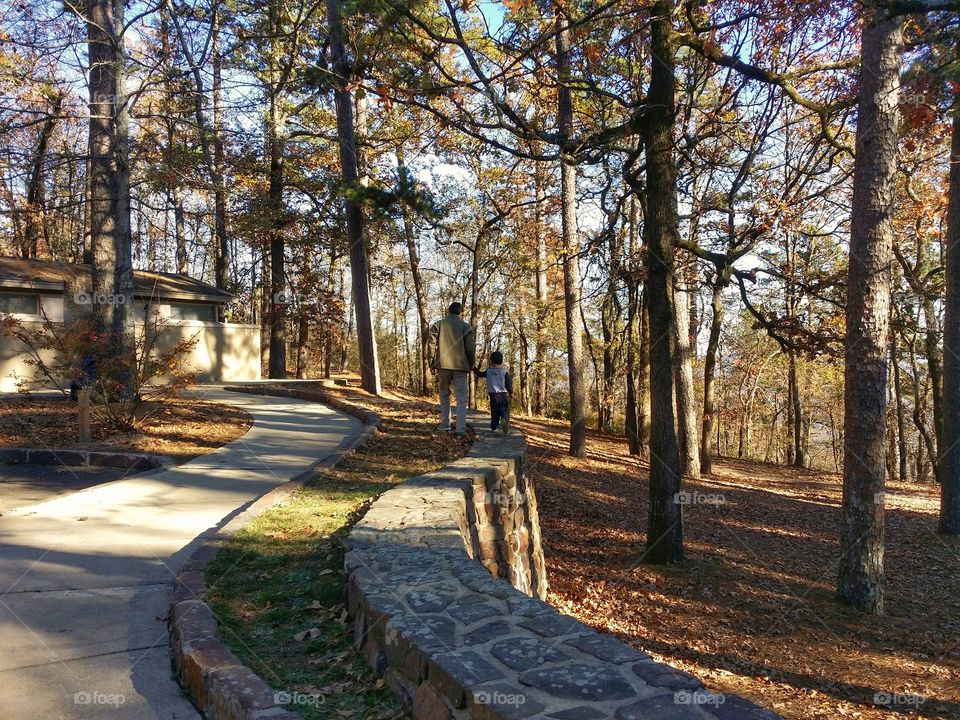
column 187, row 311
column 19, row 304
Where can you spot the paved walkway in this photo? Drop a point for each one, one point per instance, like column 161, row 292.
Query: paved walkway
column 23, row 485
column 85, row 579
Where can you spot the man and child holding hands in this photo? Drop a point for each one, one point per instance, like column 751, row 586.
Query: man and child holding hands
column 453, row 355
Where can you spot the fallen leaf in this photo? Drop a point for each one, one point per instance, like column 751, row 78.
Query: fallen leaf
column 311, row 634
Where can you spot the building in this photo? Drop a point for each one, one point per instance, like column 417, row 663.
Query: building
column 33, row 291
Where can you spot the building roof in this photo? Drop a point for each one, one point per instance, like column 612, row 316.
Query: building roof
column 54, row 275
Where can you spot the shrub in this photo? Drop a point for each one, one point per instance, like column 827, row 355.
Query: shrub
column 65, row 357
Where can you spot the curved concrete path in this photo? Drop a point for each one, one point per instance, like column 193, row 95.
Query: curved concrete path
column 85, row 579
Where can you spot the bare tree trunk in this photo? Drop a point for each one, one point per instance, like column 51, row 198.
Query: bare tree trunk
column 303, row 324
column 861, row 579
column 179, row 230
column 275, row 151
column 632, row 421
column 418, row 286
column 123, row 240
column 523, row 366
column 278, row 282
column 919, row 407
column 607, row 320
column 222, row 264
column 795, row 412
column 665, row 523
column 331, row 330
column 643, row 377
column 709, row 373
column 359, row 258
column 932, row 351
column 949, row 461
column 112, row 273
column 901, row 424
column 36, row 222
column 571, row 268
column 347, row 336
column 634, row 310
column 540, row 358
column 303, row 334
column 264, row 308
column 683, row 374
column 211, row 138
column 473, row 303
column 102, row 141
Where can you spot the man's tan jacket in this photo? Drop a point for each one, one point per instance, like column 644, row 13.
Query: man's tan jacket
column 452, row 344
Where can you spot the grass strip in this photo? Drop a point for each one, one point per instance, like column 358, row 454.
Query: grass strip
column 277, row 585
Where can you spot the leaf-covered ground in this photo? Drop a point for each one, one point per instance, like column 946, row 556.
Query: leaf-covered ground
column 752, row 610
column 180, row 428
column 277, row 586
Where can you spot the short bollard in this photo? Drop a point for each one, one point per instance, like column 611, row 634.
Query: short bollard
column 83, row 410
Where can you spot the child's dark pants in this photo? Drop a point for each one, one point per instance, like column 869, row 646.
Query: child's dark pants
column 499, row 409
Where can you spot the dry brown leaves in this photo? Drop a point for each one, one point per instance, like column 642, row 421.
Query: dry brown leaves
column 752, row 611
column 179, row 428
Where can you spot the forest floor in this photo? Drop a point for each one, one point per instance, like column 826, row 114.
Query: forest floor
column 179, row 428
column 752, row 611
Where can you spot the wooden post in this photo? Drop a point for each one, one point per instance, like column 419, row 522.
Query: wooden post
column 83, row 411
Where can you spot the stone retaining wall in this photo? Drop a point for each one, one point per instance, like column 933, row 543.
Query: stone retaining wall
column 433, row 615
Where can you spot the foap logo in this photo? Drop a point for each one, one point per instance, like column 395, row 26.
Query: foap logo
column 685, row 497
column 697, row 697
column 94, row 697
column 915, row 99
column 503, row 498
column 498, row 698
column 110, row 98
column 91, row 298
column 898, row 700
column 295, row 697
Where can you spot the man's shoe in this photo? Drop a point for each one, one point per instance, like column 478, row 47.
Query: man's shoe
column 504, row 427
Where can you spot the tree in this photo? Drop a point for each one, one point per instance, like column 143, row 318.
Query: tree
column 861, row 580
column 568, row 221
column 950, row 456
column 413, row 253
column 359, row 259
column 683, row 378
column 210, row 129
column 110, row 241
column 665, row 522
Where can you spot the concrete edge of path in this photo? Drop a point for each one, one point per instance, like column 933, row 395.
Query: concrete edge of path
column 79, row 457
column 216, row 680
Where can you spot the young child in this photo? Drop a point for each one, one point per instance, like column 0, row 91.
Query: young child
column 500, row 388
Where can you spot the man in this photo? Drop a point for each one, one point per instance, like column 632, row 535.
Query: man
column 452, row 355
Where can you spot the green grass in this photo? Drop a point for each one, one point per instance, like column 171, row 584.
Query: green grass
column 282, row 575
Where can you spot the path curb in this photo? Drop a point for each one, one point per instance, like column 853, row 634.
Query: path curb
column 216, row 680
column 76, row 457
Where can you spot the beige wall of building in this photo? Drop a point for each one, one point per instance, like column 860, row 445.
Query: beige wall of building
column 14, row 357
column 225, row 352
